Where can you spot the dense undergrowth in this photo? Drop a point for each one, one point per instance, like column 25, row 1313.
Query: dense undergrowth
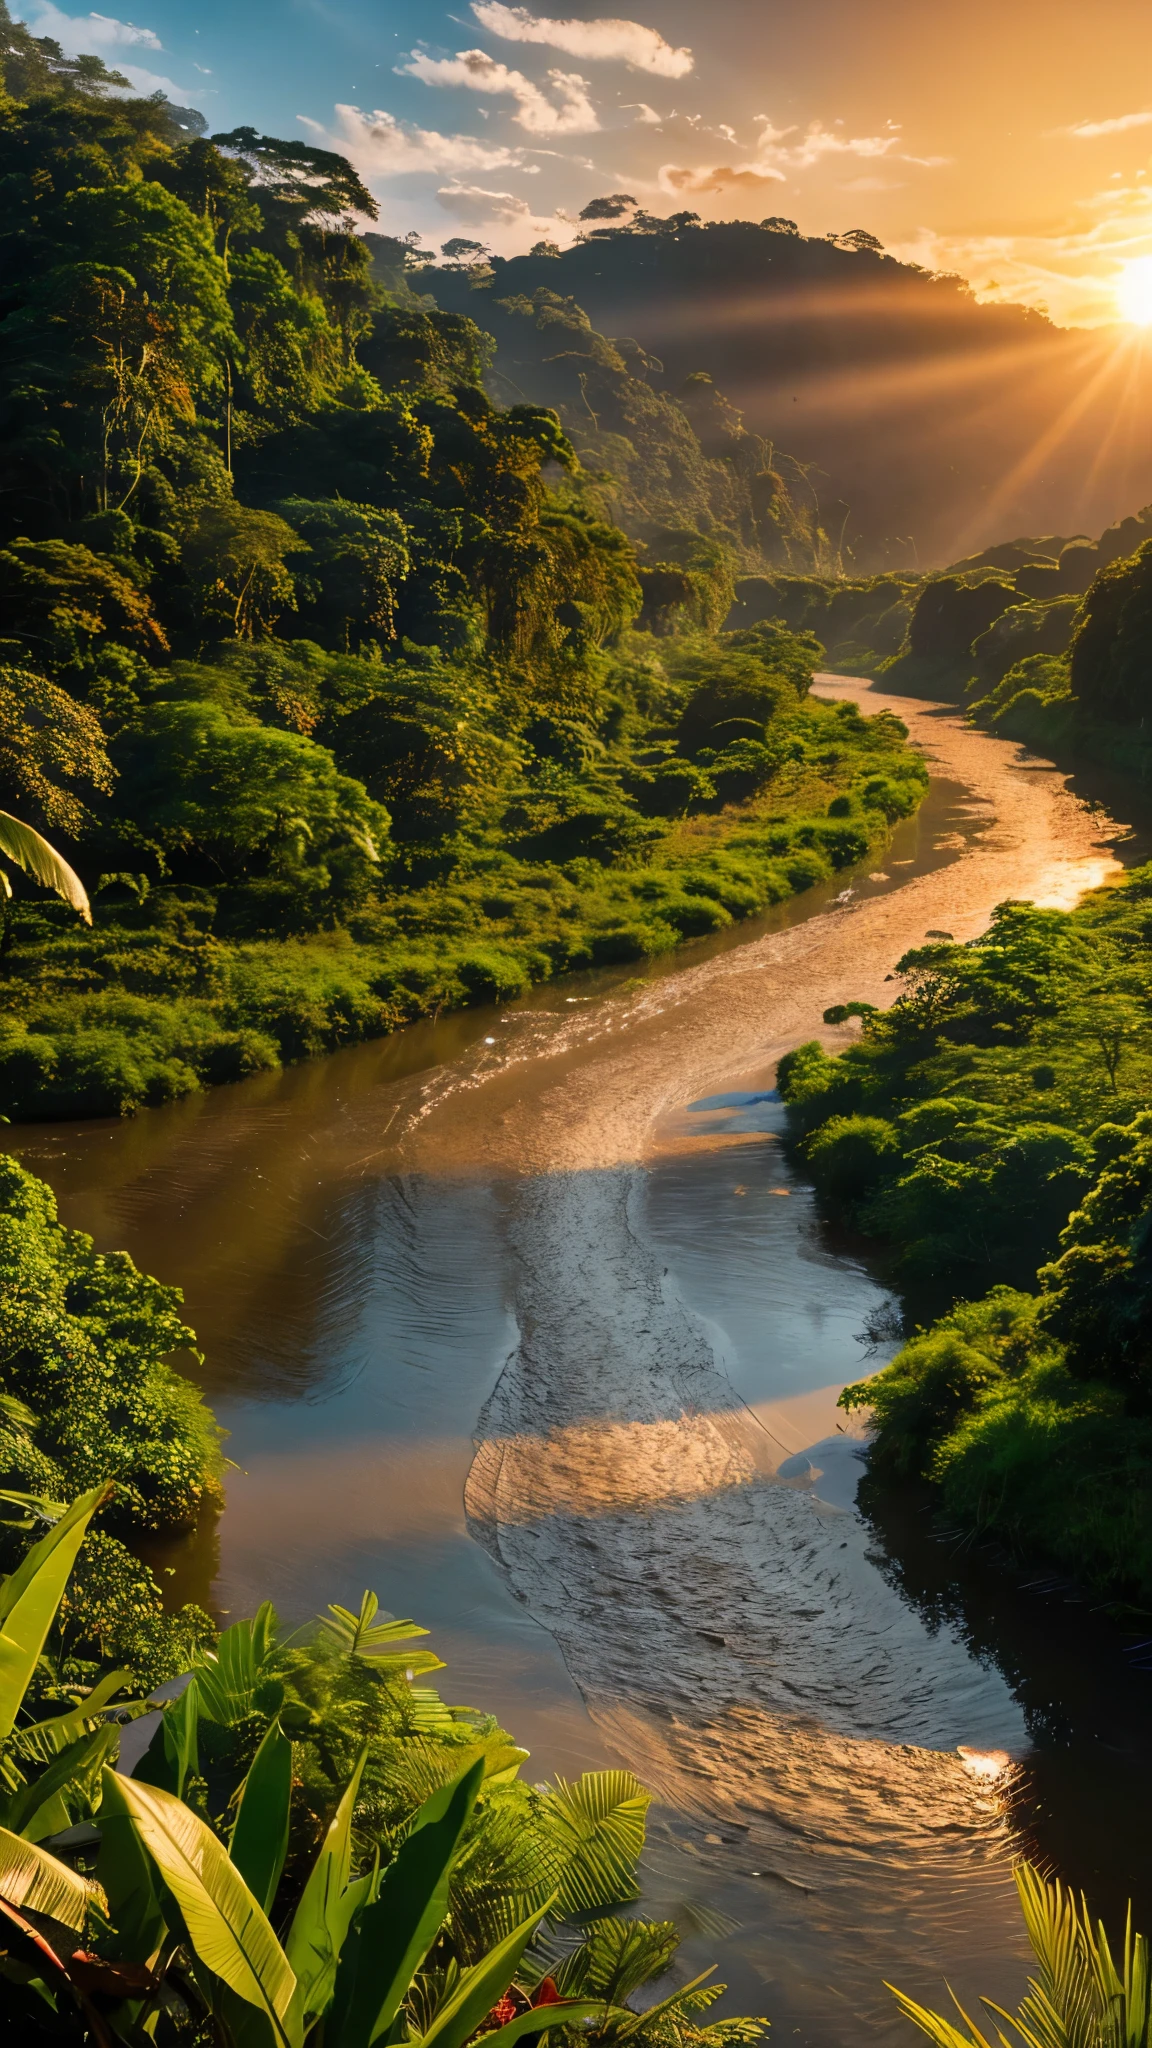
column 991, row 1133
column 313, row 1848
column 87, row 1393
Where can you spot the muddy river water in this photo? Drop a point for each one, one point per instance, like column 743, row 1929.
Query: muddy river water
column 524, row 1321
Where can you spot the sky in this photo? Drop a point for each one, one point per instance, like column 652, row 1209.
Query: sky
column 1010, row 140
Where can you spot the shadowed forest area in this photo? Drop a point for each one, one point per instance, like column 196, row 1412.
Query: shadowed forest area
column 930, row 424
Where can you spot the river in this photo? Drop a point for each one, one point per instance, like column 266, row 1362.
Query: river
column 522, row 1320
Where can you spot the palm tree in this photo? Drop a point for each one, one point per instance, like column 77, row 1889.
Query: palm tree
column 19, row 842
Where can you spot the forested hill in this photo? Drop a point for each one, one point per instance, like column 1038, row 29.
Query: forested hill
column 330, row 675
column 939, row 423
column 669, row 460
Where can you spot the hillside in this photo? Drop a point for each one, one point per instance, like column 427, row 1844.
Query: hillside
column 329, row 673
column 937, row 424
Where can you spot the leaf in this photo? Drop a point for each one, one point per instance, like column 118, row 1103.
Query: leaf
column 384, row 1952
column 631, row 2022
column 30, row 1597
column 538, row 2018
column 226, row 1681
column 80, row 1761
column 320, row 1922
column 226, row 1926
column 43, row 1740
column 617, row 1957
column 478, row 1989
column 173, row 1755
column 42, row 862
column 601, row 1820
column 31, row 1877
column 362, row 1636
column 938, row 2028
column 260, row 1837
column 125, row 1872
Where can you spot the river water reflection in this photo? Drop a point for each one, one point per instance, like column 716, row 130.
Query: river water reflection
column 522, row 1320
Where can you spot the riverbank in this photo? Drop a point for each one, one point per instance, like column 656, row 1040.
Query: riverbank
column 367, row 1243
column 991, row 1136
column 153, row 1004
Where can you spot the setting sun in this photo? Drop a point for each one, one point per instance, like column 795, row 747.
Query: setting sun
column 1134, row 291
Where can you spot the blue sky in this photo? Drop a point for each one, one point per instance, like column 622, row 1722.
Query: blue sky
column 1009, row 139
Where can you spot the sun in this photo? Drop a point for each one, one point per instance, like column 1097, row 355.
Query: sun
column 1134, row 291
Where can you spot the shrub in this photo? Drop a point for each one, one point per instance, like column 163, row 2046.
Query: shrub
column 849, row 1155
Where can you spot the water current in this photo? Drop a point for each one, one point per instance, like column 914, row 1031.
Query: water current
column 523, row 1320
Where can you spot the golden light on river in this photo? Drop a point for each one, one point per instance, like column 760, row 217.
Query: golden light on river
column 1134, row 292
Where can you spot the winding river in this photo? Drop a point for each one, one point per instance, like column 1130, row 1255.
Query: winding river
column 523, row 1320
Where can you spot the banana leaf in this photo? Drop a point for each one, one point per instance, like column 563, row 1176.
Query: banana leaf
column 321, row 1921
column 42, row 862
column 383, row 1952
column 29, row 1600
column 260, row 1837
column 31, row 1878
column 478, row 1989
column 124, row 1871
column 226, row 1926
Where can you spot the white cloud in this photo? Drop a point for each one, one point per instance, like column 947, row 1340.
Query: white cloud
column 568, row 112
column 748, row 178
column 1087, row 131
column 477, row 207
column 87, row 34
column 817, row 142
column 146, row 82
column 646, row 116
column 381, row 146
column 628, row 42
column 102, row 35
column 782, row 152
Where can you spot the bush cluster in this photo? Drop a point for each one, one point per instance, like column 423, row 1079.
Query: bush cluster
column 87, row 1393
column 990, row 1133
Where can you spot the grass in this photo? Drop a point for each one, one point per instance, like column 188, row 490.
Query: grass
column 152, row 1004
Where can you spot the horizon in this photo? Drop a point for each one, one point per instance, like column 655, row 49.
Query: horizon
column 976, row 147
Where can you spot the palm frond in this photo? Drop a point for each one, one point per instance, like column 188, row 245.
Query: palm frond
column 1078, row 1998
column 361, row 1635
column 599, row 1824
column 616, row 1958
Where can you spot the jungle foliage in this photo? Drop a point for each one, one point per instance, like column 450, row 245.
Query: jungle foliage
column 311, row 1848
column 991, row 1133
column 329, row 674
column 87, row 1391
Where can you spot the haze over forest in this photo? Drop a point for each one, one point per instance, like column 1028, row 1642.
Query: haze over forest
column 976, row 373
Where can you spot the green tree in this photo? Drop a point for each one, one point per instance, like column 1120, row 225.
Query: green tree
column 236, row 798
column 49, row 742
column 235, row 559
column 1111, row 665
